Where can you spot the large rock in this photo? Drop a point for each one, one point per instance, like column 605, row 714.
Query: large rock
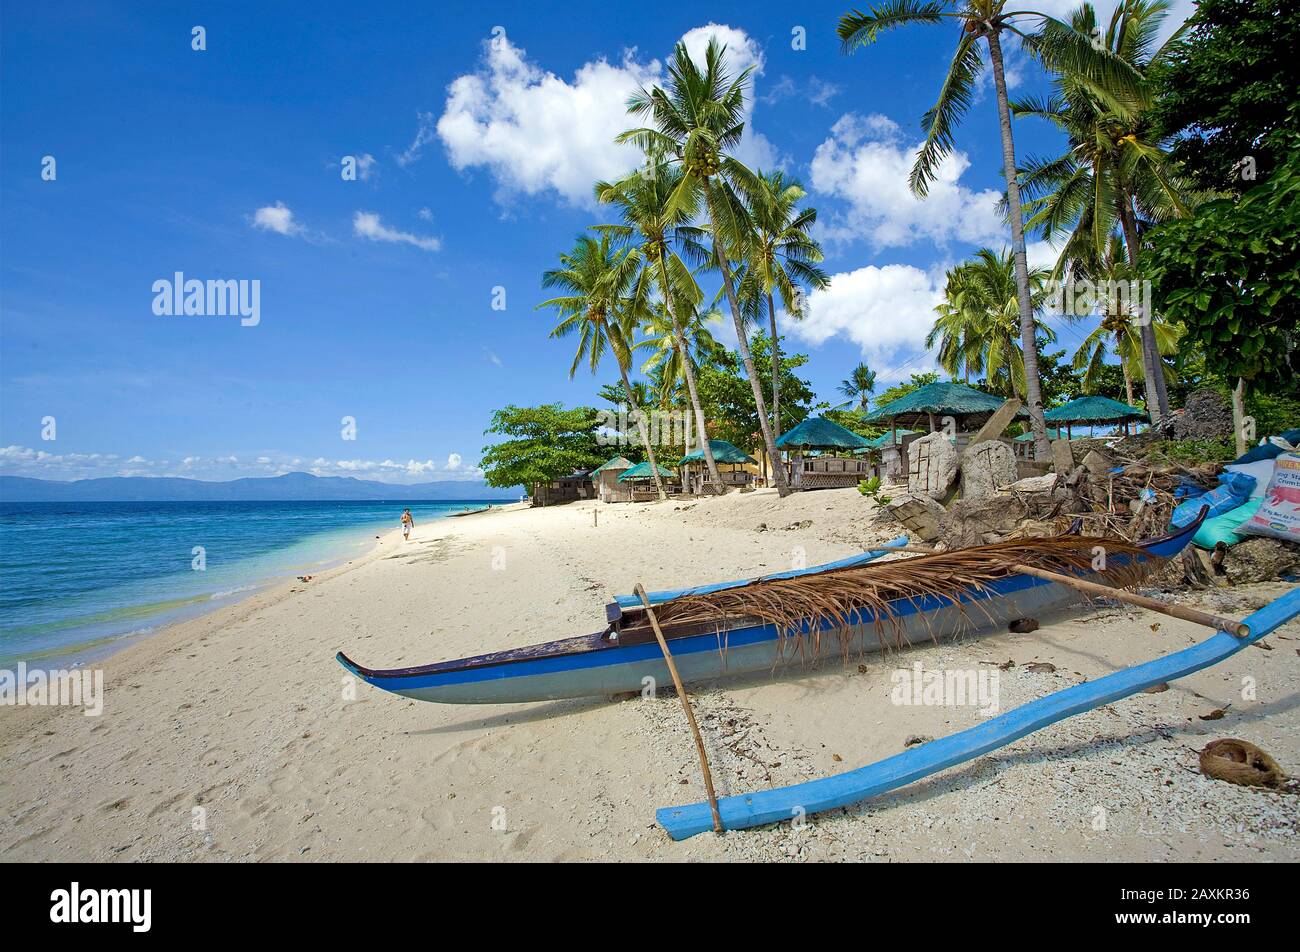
column 931, row 466
column 1206, row 415
column 986, row 468
column 982, row 521
column 1259, row 560
column 919, row 514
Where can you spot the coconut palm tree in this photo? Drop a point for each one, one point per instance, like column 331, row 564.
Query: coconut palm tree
column 988, row 20
column 600, row 308
column 960, row 332
column 666, row 363
column 782, row 259
column 1117, row 329
column 1115, row 176
column 659, row 220
column 698, row 117
column 860, row 382
column 979, row 320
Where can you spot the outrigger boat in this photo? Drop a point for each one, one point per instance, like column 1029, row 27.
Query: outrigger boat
column 763, row 624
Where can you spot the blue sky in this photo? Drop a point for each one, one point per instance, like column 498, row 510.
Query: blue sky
column 477, row 129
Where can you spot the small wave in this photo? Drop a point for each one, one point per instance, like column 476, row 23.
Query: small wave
column 238, row 590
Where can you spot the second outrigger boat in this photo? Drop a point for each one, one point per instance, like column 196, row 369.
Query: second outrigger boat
column 765, row 624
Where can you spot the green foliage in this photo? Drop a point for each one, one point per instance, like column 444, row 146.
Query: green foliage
column 1229, row 88
column 1191, row 451
column 871, row 487
column 548, row 442
column 1230, row 274
column 728, row 399
column 852, row 419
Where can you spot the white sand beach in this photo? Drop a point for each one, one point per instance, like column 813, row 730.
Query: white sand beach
column 244, row 713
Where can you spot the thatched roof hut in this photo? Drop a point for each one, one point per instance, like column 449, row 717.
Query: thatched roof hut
column 1094, row 411
column 936, row 400
column 819, row 433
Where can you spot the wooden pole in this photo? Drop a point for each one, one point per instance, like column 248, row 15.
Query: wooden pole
column 686, row 703
column 1231, row 626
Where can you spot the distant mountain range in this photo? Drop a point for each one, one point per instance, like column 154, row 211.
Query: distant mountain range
column 291, row 487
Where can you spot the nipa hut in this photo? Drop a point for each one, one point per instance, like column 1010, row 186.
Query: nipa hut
column 732, row 467
column 605, row 478
column 641, row 478
column 834, row 465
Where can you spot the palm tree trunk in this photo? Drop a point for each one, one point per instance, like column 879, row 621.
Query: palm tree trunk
column 1028, row 340
column 1153, row 371
column 688, row 369
column 776, row 371
column 746, row 355
column 645, row 433
column 1128, row 378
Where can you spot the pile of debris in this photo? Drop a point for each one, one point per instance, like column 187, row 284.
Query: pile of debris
column 977, row 492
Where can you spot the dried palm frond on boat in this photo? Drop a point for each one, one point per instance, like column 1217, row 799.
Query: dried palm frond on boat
column 845, row 600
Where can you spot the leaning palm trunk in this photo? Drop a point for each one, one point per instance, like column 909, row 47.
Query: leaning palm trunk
column 776, row 373
column 746, row 355
column 644, row 431
column 688, row 370
column 1152, row 367
column 1028, row 339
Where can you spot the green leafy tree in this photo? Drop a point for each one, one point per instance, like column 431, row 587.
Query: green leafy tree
column 601, row 310
column 545, row 443
column 1227, row 92
column 729, row 400
column 989, row 20
column 1230, row 274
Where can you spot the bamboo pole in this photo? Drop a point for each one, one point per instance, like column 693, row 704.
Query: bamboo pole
column 1229, row 625
column 639, row 591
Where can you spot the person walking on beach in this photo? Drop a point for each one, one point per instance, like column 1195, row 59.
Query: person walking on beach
column 407, row 524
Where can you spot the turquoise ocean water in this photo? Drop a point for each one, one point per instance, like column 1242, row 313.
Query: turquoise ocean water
column 78, row 580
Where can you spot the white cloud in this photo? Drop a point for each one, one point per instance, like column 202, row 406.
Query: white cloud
column 24, row 461
column 368, row 225
column 365, row 166
column 277, row 218
column 886, row 311
column 866, row 162
column 423, row 136
column 535, row 132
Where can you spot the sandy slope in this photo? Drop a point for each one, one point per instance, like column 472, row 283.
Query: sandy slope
column 245, row 714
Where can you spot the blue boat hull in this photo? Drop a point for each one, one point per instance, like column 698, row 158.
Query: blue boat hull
column 598, row 665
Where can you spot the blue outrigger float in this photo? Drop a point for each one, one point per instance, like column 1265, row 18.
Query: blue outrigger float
column 625, row 654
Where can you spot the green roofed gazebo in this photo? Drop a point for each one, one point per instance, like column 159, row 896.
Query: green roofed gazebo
column 1029, row 437
column 642, row 471
column 723, row 452
column 836, row 467
column 695, row 474
column 819, row 433
column 939, row 400
column 1093, row 411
